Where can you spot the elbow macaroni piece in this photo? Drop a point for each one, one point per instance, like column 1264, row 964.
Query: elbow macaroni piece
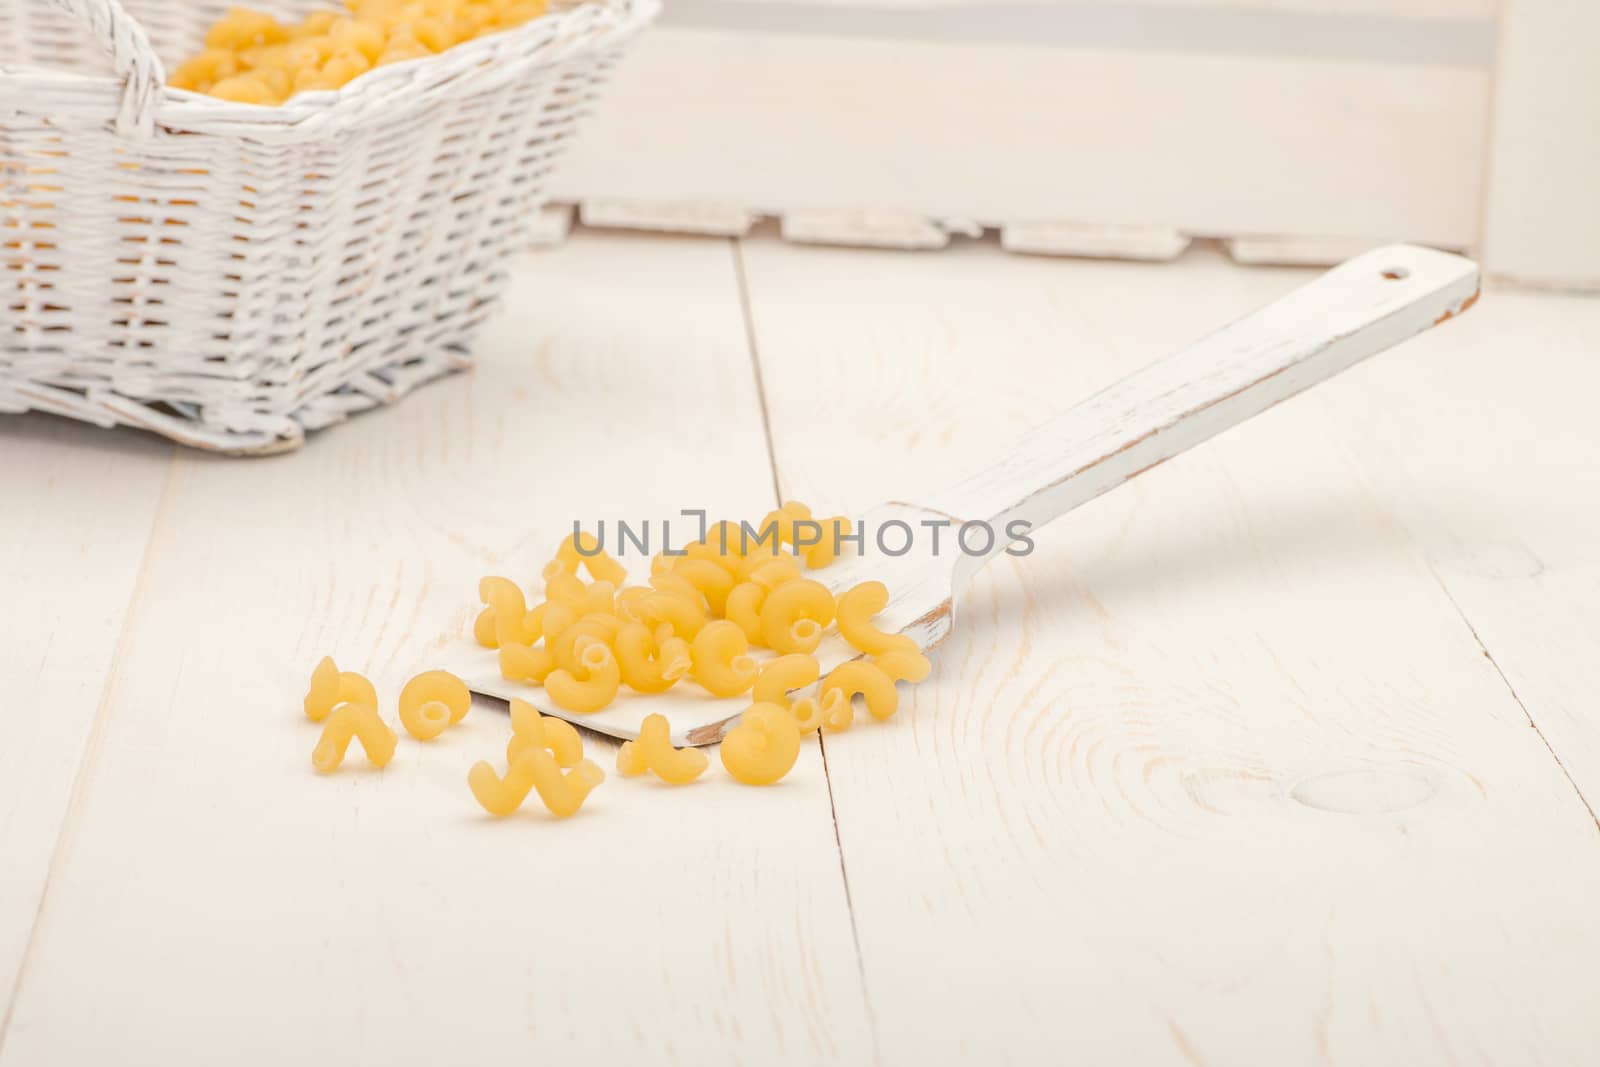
column 598, row 686
column 794, row 614
column 359, row 721
column 529, row 729
column 535, row 769
column 782, row 675
column 904, row 665
column 744, row 609
column 519, row 663
column 595, row 560
column 649, row 666
column 653, row 751
column 507, row 613
column 267, row 61
column 763, row 747
column 869, row 680
column 431, row 701
column 596, row 627
column 331, row 687
column 708, row 580
column 826, row 550
column 856, row 607
column 686, row 616
column 720, row 659
column 812, row 713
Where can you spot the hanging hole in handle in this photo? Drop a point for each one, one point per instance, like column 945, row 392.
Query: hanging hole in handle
column 1395, row 274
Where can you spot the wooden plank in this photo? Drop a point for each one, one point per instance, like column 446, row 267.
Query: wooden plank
column 81, row 503
column 216, row 894
column 1218, row 774
column 1542, row 217
column 1496, row 480
column 1001, row 133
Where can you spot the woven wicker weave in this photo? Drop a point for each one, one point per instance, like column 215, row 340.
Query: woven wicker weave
column 232, row 276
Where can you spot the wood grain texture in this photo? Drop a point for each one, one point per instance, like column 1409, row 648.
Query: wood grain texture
column 215, row 896
column 1496, row 479
column 80, row 505
column 1218, row 774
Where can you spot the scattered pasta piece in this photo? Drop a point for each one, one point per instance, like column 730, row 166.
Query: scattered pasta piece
column 431, row 701
column 875, row 687
column 825, row 551
column 529, row 729
column 812, row 713
column 744, row 609
column 794, row 614
column 721, row 663
column 359, row 721
column 856, row 607
column 782, row 675
column 595, row 560
column 601, row 678
column 519, row 663
column 653, row 751
column 534, row 769
column 331, row 687
column 904, row 665
column 763, row 747
column 649, row 666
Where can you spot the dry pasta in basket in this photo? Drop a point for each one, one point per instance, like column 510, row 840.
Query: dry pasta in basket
column 252, row 58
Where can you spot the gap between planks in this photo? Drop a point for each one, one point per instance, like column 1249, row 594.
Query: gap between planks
column 90, row 750
column 742, row 279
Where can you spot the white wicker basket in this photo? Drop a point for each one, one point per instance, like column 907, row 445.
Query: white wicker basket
column 232, row 276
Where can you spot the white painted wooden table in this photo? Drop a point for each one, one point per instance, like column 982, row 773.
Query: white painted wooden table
column 1287, row 753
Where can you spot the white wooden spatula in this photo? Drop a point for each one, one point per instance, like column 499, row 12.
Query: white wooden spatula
column 1354, row 311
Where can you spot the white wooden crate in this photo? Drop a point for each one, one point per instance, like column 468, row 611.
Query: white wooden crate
column 1297, row 130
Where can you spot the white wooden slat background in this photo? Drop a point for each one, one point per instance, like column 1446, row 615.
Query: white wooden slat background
column 1278, row 755
column 1295, row 129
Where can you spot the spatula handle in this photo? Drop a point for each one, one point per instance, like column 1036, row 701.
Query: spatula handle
column 1354, row 311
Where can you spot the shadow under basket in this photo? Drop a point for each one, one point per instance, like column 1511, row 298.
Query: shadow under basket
column 231, row 276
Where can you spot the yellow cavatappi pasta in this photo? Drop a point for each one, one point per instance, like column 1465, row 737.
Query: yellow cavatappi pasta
column 593, row 685
column 653, row 751
column 521, row 663
column 686, row 616
column 534, row 769
column 812, row 713
column 252, row 58
column 782, row 675
column 764, row 745
column 707, row 579
column 869, row 680
column 594, row 559
column 648, row 665
column 825, row 551
column 432, row 701
column 904, row 665
column 856, row 607
column 720, row 659
column 793, row 616
column 594, row 626
column 359, row 721
column 331, row 687
column 529, row 729
column 744, row 609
